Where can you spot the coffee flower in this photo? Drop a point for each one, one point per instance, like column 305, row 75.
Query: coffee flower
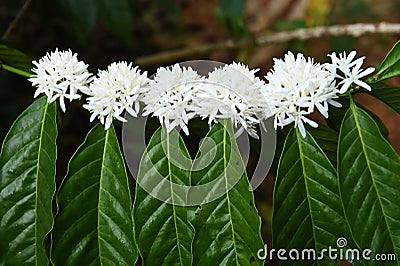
column 295, row 87
column 114, row 91
column 60, row 75
column 349, row 71
column 232, row 92
column 170, row 95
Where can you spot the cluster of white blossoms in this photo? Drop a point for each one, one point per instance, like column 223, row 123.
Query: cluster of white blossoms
column 232, row 92
column 60, row 75
column 176, row 94
column 292, row 90
column 114, row 91
column 170, row 94
column 348, row 71
column 296, row 86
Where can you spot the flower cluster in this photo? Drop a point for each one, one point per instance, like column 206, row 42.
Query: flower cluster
column 114, row 91
column 349, row 71
column 170, row 94
column 60, row 75
column 233, row 92
column 177, row 94
column 295, row 87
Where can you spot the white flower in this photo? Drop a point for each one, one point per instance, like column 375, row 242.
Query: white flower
column 348, row 71
column 295, row 87
column 232, row 92
column 60, row 75
column 114, row 91
column 169, row 96
column 244, row 81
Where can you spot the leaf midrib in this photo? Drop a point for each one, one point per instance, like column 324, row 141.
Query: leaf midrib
column 102, row 173
column 227, row 193
column 305, row 176
column 172, row 199
column 101, row 177
column 37, row 177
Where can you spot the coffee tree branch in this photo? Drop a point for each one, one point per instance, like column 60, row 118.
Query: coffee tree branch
column 354, row 30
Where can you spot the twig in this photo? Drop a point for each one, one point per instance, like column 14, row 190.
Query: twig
column 16, row 20
column 354, row 30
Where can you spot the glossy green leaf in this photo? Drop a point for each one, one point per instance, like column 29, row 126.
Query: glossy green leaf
column 327, row 139
column 27, row 186
column 308, row 212
column 163, row 233
column 390, row 66
column 280, row 141
column 382, row 128
column 227, row 228
column 369, row 174
column 94, row 223
column 336, row 115
column 15, row 58
column 387, row 94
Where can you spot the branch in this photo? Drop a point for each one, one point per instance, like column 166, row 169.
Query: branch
column 16, row 20
column 354, row 30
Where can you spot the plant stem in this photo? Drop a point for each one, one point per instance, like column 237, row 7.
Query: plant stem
column 15, row 70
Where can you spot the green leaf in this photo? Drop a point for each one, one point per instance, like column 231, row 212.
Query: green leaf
column 84, row 12
column 382, row 128
column 163, row 233
column 280, row 141
column 369, row 174
column 27, row 186
column 94, row 224
column 327, row 139
column 308, row 213
column 117, row 15
column 15, row 58
column 390, row 66
column 336, row 114
column 227, row 228
column 387, row 94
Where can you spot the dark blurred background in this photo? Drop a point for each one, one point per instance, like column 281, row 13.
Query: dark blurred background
column 104, row 31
